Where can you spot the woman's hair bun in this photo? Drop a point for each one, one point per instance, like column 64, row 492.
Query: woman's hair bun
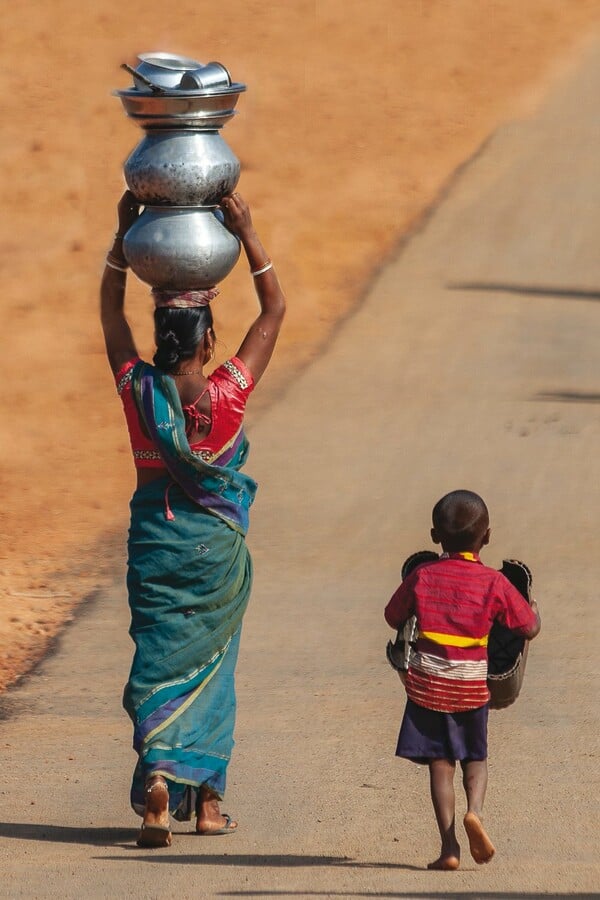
column 170, row 340
column 177, row 333
column 167, row 350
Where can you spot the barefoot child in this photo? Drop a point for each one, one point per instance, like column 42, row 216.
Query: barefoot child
column 455, row 600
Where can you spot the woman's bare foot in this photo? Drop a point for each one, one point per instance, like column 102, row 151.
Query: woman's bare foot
column 480, row 845
column 210, row 820
column 156, row 829
column 445, row 863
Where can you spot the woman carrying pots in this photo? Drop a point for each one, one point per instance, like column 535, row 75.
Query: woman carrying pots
column 189, row 571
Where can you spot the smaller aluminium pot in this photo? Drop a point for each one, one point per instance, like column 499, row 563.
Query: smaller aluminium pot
column 182, row 168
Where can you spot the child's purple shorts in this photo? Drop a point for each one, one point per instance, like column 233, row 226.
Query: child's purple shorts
column 426, row 734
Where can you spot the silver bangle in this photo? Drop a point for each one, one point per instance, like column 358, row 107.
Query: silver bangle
column 262, row 270
column 114, row 266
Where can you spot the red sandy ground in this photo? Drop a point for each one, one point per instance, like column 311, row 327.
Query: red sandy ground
column 356, row 116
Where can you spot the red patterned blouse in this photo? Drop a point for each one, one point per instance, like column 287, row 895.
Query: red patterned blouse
column 229, row 387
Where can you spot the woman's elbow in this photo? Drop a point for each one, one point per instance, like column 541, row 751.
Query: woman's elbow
column 279, row 305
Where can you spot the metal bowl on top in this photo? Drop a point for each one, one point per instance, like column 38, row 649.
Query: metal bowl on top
column 208, row 109
column 163, row 69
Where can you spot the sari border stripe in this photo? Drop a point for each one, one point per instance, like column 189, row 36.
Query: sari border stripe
column 162, row 694
column 188, row 702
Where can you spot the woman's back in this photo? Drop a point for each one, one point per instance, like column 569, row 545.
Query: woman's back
column 213, row 408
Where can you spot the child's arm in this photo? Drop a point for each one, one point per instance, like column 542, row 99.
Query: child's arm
column 516, row 613
column 535, row 629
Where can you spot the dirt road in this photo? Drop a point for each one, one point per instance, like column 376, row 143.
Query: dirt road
column 427, row 387
column 355, row 116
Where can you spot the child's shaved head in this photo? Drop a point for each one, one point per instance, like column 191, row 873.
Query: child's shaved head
column 460, row 521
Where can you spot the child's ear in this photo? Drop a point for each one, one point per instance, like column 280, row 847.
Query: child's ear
column 434, row 536
column 486, row 538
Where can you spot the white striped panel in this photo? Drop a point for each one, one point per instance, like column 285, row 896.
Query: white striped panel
column 459, row 669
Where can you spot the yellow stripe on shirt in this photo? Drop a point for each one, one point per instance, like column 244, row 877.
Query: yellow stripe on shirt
column 454, row 640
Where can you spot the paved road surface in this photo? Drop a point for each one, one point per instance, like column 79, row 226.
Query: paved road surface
column 493, row 386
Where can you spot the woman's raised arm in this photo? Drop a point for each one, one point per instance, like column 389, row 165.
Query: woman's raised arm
column 120, row 345
column 258, row 345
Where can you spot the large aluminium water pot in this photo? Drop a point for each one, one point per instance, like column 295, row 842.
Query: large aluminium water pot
column 182, row 168
column 180, row 248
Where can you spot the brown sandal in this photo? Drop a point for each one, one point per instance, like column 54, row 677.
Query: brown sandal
column 154, row 836
column 228, row 828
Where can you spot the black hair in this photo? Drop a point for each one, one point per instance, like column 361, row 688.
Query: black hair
column 177, row 333
column 460, row 519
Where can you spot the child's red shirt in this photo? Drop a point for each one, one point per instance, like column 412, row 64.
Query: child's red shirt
column 456, row 600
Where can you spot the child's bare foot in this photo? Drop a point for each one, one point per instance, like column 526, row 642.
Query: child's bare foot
column 445, row 863
column 480, row 845
column 210, row 820
column 156, row 829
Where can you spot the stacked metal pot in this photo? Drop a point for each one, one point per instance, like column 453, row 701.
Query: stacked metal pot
column 180, row 171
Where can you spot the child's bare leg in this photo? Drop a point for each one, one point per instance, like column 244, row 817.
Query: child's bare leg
column 441, row 781
column 475, row 784
column 475, row 778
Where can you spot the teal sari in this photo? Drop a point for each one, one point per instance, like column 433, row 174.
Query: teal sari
column 189, row 579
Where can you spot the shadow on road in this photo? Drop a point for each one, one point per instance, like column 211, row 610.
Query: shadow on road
column 413, row 895
column 527, row 289
column 275, row 860
column 65, row 834
column 569, row 396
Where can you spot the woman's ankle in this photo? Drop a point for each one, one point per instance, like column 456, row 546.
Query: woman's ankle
column 156, row 795
column 208, row 809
